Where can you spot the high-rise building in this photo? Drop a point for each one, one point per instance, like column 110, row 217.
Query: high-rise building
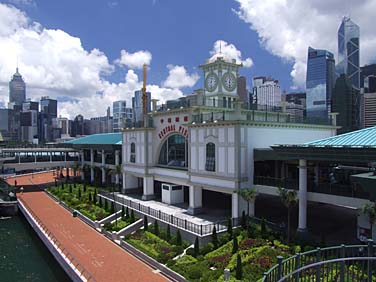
column 48, row 127
column 319, row 83
column 121, row 114
column 345, row 102
column 29, row 121
column 137, row 105
column 99, row 124
column 17, row 90
column 78, row 126
column 348, row 51
column 242, row 89
column 267, row 92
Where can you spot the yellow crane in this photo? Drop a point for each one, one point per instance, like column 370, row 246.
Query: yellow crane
column 144, row 98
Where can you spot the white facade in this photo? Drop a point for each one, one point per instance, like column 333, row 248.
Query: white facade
column 267, row 91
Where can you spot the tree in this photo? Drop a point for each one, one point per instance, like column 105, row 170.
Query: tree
column 229, row 228
column 178, row 238
column 289, row 199
column 196, row 247
column 75, row 167
column 215, row 238
column 145, row 223
column 248, row 195
column 239, row 270
column 156, row 228
column 235, row 245
column 168, row 233
column 369, row 210
column 100, row 201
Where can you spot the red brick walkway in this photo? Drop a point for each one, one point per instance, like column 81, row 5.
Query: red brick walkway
column 35, row 178
column 106, row 261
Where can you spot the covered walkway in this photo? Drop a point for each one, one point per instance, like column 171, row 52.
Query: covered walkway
column 104, row 260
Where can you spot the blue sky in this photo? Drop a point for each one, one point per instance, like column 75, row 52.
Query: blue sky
column 175, row 32
column 71, row 50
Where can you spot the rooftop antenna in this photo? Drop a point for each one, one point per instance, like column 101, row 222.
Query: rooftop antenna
column 17, row 65
column 220, row 46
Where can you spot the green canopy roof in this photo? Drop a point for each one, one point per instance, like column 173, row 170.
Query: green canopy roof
column 98, row 139
column 360, row 138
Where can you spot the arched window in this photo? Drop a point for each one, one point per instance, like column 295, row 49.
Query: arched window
column 210, row 157
column 133, row 153
column 174, row 152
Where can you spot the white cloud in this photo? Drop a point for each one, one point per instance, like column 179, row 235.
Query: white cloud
column 23, row 2
column 54, row 63
column 178, row 77
column 287, row 28
column 134, row 60
column 229, row 52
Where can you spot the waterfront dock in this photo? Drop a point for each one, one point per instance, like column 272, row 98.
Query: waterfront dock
column 89, row 252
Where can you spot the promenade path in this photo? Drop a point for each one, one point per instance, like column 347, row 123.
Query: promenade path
column 36, row 178
column 105, row 261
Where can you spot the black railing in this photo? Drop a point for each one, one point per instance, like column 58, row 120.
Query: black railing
column 184, row 224
column 277, row 182
column 325, row 265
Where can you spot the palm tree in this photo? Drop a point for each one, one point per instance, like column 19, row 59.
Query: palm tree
column 75, row 167
column 369, row 209
column 289, row 199
column 248, row 194
column 117, row 172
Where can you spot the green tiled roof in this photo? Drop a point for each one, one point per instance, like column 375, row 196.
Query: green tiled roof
column 98, row 139
column 361, row 138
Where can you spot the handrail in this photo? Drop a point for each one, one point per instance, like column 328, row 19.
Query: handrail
column 83, row 272
column 286, row 266
column 317, row 266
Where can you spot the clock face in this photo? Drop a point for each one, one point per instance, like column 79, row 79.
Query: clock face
column 211, row 82
column 229, row 81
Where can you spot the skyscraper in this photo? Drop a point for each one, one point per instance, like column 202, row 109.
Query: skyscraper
column 121, row 114
column 348, row 51
column 137, row 105
column 17, row 90
column 319, row 83
column 267, row 92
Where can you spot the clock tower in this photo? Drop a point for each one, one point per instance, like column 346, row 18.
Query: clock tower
column 220, row 81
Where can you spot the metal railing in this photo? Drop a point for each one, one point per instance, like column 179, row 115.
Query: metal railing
column 64, row 252
column 184, row 224
column 295, row 268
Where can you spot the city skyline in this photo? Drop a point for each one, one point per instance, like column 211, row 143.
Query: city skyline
column 65, row 61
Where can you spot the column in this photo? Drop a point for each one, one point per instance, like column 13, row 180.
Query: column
column 50, row 157
column 235, row 205
column 302, row 196
column 35, row 156
column 91, row 165
column 82, row 165
column 317, row 175
column 148, row 193
column 195, row 200
column 124, row 179
column 103, row 170
column 117, row 162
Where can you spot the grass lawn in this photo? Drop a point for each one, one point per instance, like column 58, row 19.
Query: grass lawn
column 81, row 197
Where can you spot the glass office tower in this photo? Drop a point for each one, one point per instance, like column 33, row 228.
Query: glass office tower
column 320, row 83
column 17, row 89
column 348, row 51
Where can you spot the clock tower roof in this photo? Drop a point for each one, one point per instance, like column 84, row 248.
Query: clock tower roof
column 218, row 59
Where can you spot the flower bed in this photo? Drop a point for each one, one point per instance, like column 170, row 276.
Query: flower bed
column 257, row 256
column 158, row 245
column 82, row 198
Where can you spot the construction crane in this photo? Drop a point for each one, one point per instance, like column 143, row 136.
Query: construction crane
column 144, row 98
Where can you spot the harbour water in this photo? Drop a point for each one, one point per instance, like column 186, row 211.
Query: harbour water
column 23, row 256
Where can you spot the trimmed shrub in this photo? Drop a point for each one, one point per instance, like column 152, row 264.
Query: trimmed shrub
column 127, row 213
column 85, row 188
column 70, row 188
column 112, row 207
column 243, row 222
column 132, row 219
column 156, row 228
column 79, row 193
column 122, row 212
column 168, row 233
column 239, row 270
column 196, row 247
column 178, row 238
column 100, row 201
column 145, row 223
column 105, row 205
column 215, row 238
column 235, row 245
column 229, row 227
